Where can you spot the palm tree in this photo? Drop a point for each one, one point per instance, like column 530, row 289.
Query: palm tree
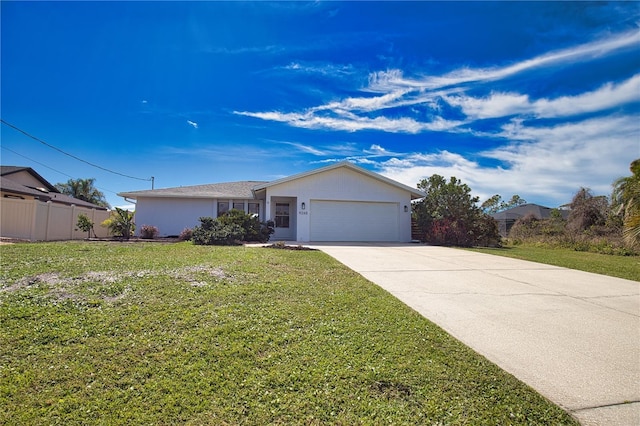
column 83, row 189
column 626, row 198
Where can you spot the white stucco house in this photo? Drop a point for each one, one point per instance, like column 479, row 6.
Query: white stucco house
column 340, row 202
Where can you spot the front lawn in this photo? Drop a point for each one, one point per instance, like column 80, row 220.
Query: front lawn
column 149, row 333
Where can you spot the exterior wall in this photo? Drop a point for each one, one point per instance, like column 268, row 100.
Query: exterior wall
column 38, row 221
column 172, row 215
column 25, row 178
column 340, row 184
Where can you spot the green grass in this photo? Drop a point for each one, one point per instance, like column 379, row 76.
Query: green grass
column 627, row 267
column 147, row 333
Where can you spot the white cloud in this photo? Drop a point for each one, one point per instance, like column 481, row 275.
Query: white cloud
column 546, row 165
column 128, row 207
column 351, row 122
column 398, row 91
column 192, row 124
column 505, row 104
column 385, row 81
column 304, row 148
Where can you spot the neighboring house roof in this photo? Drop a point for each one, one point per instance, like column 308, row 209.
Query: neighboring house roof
column 45, row 192
column 415, row 193
column 7, row 171
column 514, row 213
column 228, row 190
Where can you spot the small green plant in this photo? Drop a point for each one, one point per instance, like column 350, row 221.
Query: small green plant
column 120, row 223
column 85, row 224
column 149, row 232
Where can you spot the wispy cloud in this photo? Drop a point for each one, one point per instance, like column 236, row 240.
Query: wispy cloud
column 350, row 122
column 304, row 148
column 326, row 69
column 394, row 91
column 385, row 81
column 608, row 96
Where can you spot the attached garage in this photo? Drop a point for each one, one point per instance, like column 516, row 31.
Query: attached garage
column 353, row 221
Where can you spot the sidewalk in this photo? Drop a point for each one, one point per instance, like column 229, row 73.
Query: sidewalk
column 571, row 335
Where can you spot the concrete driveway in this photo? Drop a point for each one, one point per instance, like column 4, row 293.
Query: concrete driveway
column 573, row 336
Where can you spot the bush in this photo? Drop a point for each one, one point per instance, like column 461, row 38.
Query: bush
column 213, row 232
column 148, row 232
column 526, row 227
column 186, row 234
column 254, row 230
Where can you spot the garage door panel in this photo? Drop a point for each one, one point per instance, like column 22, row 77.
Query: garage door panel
column 353, row 221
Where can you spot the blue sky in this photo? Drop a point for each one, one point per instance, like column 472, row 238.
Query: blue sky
column 536, row 99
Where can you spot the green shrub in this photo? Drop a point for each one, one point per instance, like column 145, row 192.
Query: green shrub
column 254, row 230
column 213, row 232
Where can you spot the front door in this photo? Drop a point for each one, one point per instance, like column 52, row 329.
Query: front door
column 283, row 221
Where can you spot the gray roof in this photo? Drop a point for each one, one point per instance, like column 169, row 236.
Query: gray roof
column 540, row 212
column 415, row 193
column 49, row 192
column 227, row 190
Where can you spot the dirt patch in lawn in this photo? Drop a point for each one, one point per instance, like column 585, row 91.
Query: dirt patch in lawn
column 110, row 286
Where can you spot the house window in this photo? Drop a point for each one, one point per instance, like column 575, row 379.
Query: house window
column 282, row 215
column 223, row 208
column 238, row 205
column 254, row 208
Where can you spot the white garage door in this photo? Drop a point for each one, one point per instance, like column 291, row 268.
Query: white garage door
column 353, row 221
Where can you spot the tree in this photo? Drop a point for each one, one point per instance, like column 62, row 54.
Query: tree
column 626, row 202
column 449, row 215
column 85, row 224
column 495, row 204
column 83, row 189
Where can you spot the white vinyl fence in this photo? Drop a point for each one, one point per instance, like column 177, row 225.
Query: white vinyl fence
column 35, row 220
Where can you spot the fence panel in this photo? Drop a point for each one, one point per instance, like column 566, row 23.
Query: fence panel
column 16, row 218
column 37, row 221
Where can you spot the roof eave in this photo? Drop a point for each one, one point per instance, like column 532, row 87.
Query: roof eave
column 415, row 194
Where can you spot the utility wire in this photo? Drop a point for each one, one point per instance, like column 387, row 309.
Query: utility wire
column 51, row 168
column 71, row 155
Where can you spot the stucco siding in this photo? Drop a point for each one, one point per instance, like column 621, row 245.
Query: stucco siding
column 172, row 215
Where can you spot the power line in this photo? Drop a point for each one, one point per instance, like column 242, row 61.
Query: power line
column 71, row 155
column 37, row 162
column 50, row 168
